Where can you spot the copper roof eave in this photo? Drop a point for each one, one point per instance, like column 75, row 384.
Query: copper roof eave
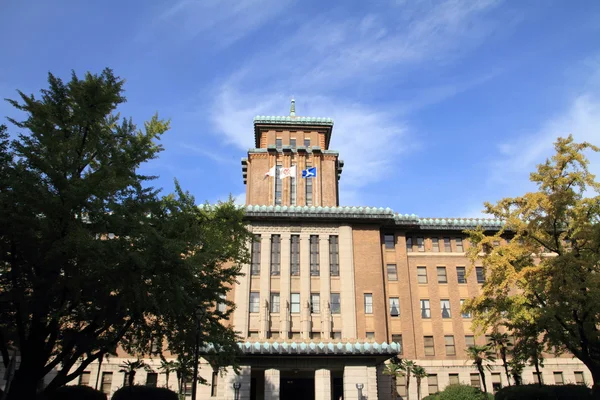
column 326, row 129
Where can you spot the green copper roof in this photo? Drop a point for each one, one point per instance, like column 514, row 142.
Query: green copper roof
column 302, row 348
column 292, row 120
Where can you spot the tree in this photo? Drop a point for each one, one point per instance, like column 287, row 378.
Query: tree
column 500, row 342
column 395, row 370
column 530, row 349
column 91, row 256
column 129, row 368
column 547, row 275
column 407, row 366
column 481, row 356
column 167, row 367
column 419, row 373
column 516, row 366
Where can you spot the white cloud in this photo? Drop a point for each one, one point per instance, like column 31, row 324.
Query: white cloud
column 240, row 198
column 216, row 157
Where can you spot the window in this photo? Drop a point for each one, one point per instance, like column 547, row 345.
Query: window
column 295, row 303
column 469, row 341
column 293, row 143
column 306, row 142
column 274, row 302
column 461, row 275
column 422, row 274
column 278, row 184
column 295, row 255
column 315, row 303
column 187, row 388
column 394, row 307
column 254, row 302
column 480, row 275
column 293, row 190
column 151, row 379
column 335, row 303
column 450, row 347
column 420, row 244
column 579, row 379
column 308, row 185
column 398, row 339
column 278, row 143
column 435, row 245
column 255, row 267
column 537, row 378
column 459, row 245
column 84, row 378
column 334, row 257
column 336, row 335
column 428, row 343
column 221, row 306
column 447, row 247
column 275, row 254
column 314, row 255
column 409, row 244
column 389, row 240
column 214, row 384
column 453, row 379
column 315, row 336
column 425, row 309
column 106, row 382
column 253, row 334
column 401, row 385
column 496, row 381
column 463, row 313
column 368, row 303
column 392, row 272
column 475, row 381
column 441, row 275
column 370, row 335
column 432, row 383
column 445, row 307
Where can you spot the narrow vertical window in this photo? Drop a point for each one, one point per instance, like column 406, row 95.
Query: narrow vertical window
column 450, row 347
column 278, row 143
column 106, row 382
column 441, row 275
column 278, row 184
column 420, row 244
column 295, row 303
column 221, row 305
column 335, row 303
column 461, row 275
column 453, row 379
column 409, row 244
column 447, row 245
column 435, row 245
column 390, row 241
column 275, row 254
column 274, row 302
column 334, row 257
column 445, row 307
column 475, row 381
column 394, row 307
column 151, row 379
column 392, row 272
column 429, row 346
column 469, row 341
column 255, row 266
column 459, row 245
column 307, row 142
column 295, row 255
column 293, row 143
column 432, row 383
column 579, row 379
column 368, row 303
column 314, row 255
column 308, row 185
column 422, row 274
column 480, row 275
column 254, row 302
column 397, row 338
column 84, row 378
column 315, row 303
column 497, row 381
column 464, row 314
column 292, row 190
column 425, row 309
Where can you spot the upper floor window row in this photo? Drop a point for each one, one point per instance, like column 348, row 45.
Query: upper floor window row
column 434, row 244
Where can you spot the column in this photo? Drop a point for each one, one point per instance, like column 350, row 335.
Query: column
column 242, row 298
column 225, row 388
column 370, row 390
column 272, row 381
column 352, row 376
column 325, row 289
column 284, row 290
column 323, row 384
column 347, row 294
column 304, row 276
column 265, row 282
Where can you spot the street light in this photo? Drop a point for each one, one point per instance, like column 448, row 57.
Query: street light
column 199, row 314
column 236, row 388
column 360, row 387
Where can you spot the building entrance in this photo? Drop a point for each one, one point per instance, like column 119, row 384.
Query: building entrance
column 297, row 386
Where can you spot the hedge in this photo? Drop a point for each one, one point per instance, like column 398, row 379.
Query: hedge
column 74, row 393
column 144, row 393
column 544, row 392
column 462, row 392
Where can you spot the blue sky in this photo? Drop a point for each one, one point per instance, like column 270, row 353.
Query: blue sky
column 438, row 105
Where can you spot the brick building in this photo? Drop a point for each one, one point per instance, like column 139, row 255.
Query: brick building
column 333, row 292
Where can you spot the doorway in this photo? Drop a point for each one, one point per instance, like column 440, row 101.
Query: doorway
column 297, row 386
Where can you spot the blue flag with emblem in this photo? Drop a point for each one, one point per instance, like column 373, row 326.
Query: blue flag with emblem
column 307, row 173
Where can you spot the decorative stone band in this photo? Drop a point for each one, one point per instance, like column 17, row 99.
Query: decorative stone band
column 341, row 348
column 283, row 149
column 292, row 120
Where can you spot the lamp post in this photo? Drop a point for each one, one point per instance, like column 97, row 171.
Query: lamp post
column 236, row 388
column 199, row 315
column 360, row 387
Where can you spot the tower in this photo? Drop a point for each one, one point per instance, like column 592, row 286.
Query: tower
column 288, row 145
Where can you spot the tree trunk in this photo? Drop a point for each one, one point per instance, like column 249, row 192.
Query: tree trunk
column 22, row 387
column 407, row 385
column 595, row 370
column 394, row 387
column 167, row 384
column 98, row 373
column 505, row 367
column 418, row 388
column 536, row 364
column 131, row 377
column 482, row 374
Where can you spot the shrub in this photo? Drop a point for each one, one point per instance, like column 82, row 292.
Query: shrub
column 462, row 392
column 544, row 392
column 75, row 393
column 431, row 397
column 144, row 393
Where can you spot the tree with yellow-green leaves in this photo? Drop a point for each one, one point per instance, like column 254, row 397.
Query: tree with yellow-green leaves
column 545, row 275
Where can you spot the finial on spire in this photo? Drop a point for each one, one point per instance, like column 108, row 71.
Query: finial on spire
column 293, row 108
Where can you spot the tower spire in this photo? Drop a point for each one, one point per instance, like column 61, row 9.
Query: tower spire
column 293, row 108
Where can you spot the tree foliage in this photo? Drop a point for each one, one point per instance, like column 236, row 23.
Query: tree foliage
column 481, row 357
column 92, row 256
column 547, row 276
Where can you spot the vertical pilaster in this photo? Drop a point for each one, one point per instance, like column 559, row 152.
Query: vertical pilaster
column 242, row 298
column 370, row 390
column 304, row 274
column 323, row 384
column 325, row 289
column 265, row 282
column 225, row 388
column 284, row 290
column 272, row 382
column 352, row 376
column 347, row 294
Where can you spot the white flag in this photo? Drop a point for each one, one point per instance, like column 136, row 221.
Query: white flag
column 287, row 172
column 271, row 172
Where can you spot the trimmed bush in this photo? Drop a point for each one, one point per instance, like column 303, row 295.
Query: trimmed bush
column 544, row 392
column 144, row 393
column 75, row 393
column 462, row 392
column 431, row 397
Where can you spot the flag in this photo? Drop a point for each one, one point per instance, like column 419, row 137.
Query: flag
column 307, row 173
column 271, row 172
column 287, row 172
